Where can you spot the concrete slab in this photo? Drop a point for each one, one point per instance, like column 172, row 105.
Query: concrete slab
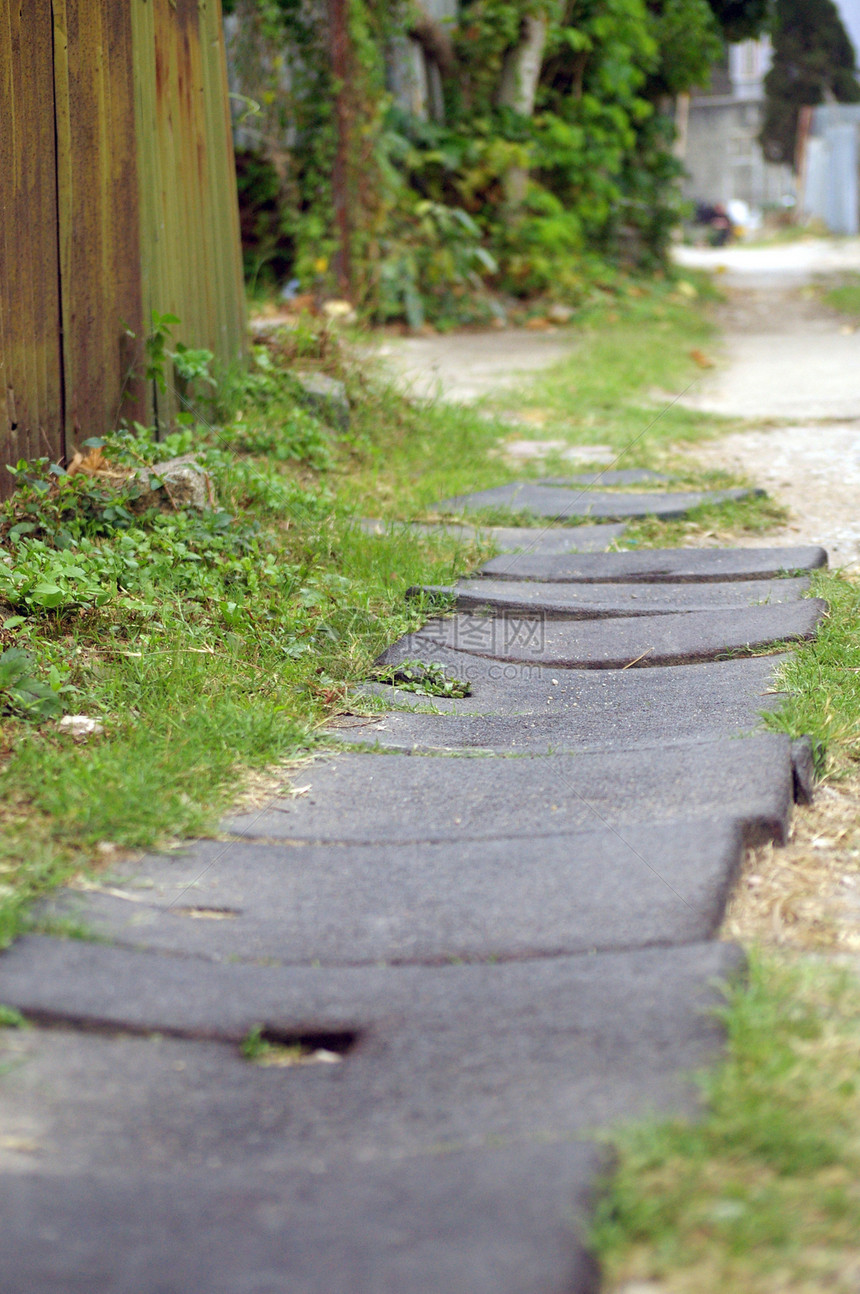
column 562, row 504
column 598, row 601
column 398, row 799
column 598, row 709
column 428, row 734
column 621, row 643
column 487, row 1222
column 618, row 476
column 674, row 565
column 513, row 539
column 141, row 1068
column 353, row 904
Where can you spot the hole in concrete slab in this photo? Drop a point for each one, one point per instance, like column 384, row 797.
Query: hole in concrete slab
column 280, row 1048
column 207, row 914
column 427, row 678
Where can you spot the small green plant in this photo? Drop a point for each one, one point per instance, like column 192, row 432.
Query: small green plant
column 11, row 1019
column 156, row 350
column 189, row 364
column 25, row 695
column 257, row 1049
column 425, row 677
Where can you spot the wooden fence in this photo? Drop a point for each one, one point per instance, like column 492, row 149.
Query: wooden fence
column 117, row 199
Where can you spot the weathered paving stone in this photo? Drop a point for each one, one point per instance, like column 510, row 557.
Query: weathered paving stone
column 142, row 1064
column 514, row 734
column 563, row 504
column 513, row 539
column 618, row 643
column 487, row 1222
column 618, row 476
column 605, row 703
column 594, row 601
column 398, row 799
column 351, row 904
column 674, row 565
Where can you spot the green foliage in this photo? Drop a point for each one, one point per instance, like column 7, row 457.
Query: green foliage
column 24, row 694
column 10, row 1018
column 445, row 213
column 425, row 677
column 813, row 61
column 741, row 19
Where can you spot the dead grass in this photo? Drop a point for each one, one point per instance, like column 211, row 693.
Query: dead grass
column 805, row 896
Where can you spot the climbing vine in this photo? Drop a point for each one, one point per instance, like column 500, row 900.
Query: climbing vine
column 539, row 142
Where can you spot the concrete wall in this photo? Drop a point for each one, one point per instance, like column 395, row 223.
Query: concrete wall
column 723, row 158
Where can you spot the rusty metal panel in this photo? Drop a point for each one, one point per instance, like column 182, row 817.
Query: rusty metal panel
column 191, row 255
column 31, row 414
column 98, row 216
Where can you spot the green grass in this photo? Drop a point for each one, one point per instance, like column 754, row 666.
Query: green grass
column 762, row 1194
column 845, row 298
column 822, row 677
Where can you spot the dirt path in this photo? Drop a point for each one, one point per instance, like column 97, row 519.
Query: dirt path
column 464, row 366
column 791, row 367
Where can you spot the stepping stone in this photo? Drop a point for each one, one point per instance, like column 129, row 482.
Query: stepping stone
column 616, row 643
column 141, row 1067
column 598, row 709
column 512, row 539
column 485, row 1222
column 596, row 601
column 396, row 799
column 674, row 565
column 515, row 734
column 563, row 504
column 620, row 476
column 423, row 902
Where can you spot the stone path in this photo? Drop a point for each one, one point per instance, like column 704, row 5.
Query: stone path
column 360, row 1045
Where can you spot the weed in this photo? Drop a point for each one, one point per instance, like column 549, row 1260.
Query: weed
column 10, row 1018
column 425, row 677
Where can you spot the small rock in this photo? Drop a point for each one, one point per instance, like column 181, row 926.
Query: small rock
column 327, row 397
column 559, row 314
column 339, row 311
column 80, row 725
column 181, row 483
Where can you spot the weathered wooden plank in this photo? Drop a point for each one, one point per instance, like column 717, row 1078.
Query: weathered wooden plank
column 190, row 221
column 117, row 198
column 30, row 372
column 98, row 195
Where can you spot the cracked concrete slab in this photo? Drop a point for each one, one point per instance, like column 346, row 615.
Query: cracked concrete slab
column 398, row 798
column 560, row 504
column 599, row 709
column 423, row 902
column 597, row 601
column 621, row 643
column 673, row 565
column 143, row 1065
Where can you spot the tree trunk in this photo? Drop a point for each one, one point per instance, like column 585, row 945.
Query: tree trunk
column 518, row 90
column 522, row 67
